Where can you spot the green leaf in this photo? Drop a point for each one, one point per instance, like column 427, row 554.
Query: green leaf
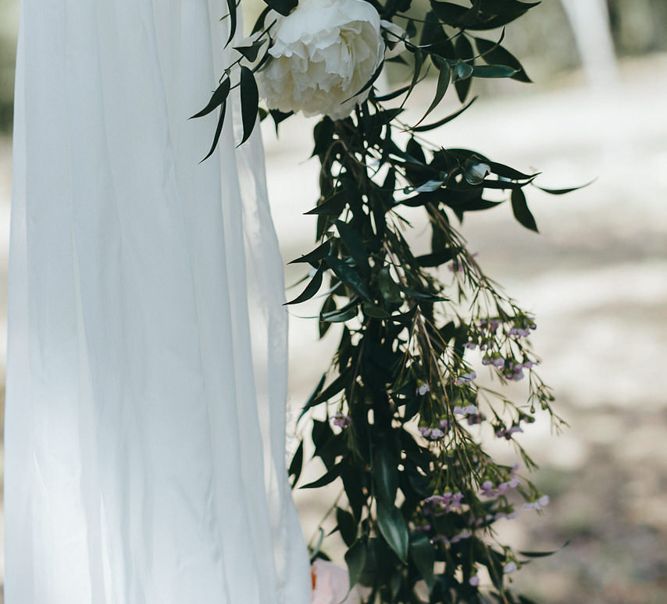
column 521, row 211
column 354, row 244
column 463, row 71
column 445, row 120
column 330, row 391
column 218, row 131
column 218, row 98
column 564, row 191
column 249, row 102
column 318, row 254
column 464, row 68
column 279, row 117
column 544, row 554
column 385, row 475
column 423, row 556
column 436, row 259
column 494, row 54
column 349, row 276
column 389, row 289
column 332, row 206
column 296, row 465
column 311, row 289
column 250, row 52
column 393, row 529
column 493, row 71
column 311, row 402
column 284, row 7
column 349, row 311
column 231, row 6
column 507, row 172
column 444, row 77
column 347, row 526
column 355, row 558
column 374, row 311
column 368, row 84
column 324, row 480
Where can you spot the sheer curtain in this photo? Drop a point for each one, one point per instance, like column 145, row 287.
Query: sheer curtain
column 147, row 343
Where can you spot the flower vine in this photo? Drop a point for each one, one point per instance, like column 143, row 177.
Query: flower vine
column 400, row 419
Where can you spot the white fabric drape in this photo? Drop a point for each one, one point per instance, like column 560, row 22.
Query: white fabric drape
column 145, row 395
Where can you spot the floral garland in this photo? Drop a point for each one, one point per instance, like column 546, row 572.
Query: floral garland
column 399, row 418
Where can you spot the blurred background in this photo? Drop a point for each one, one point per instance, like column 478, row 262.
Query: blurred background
column 596, row 277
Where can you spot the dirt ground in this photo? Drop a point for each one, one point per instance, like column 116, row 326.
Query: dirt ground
column 596, row 277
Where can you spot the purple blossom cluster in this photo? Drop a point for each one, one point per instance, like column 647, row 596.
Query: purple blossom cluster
column 491, row 491
column 465, row 378
column 435, row 434
column 537, row 505
column 471, row 413
column 495, row 359
column 440, row 504
column 466, row 411
column 464, row 534
column 522, row 329
column 340, row 420
column 507, row 433
column 423, row 389
column 510, row 368
column 489, row 325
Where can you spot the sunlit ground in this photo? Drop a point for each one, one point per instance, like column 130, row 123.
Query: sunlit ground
column 597, row 279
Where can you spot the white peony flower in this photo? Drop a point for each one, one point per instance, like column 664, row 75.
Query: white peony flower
column 323, row 53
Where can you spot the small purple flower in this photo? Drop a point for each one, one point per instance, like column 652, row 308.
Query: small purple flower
column 487, row 489
column 341, row 420
column 538, row 505
column 432, row 434
column 443, row 503
column 444, row 425
column 474, row 581
column 509, row 568
column 423, row 389
column 528, row 364
column 489, row 324
column 475, row 418
column 507, row 433
column 465, row 378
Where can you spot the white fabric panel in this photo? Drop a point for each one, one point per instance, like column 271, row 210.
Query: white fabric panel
column 145, row 399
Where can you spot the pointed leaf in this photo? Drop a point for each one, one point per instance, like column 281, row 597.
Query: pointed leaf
column 249, row 102
column 441, row 89
column 521, row 211
column 445, row 120
column 355, row 558
column 311, row 289
column 393, row 529
column 385, row 475
column 347, row 526
column 494, row 54
column 218, row 131
column 423, row 555
column 218, row 98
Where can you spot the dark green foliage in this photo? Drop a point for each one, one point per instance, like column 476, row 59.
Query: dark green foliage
column 396, row 419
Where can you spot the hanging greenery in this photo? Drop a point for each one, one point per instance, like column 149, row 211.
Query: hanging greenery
column 399, row 419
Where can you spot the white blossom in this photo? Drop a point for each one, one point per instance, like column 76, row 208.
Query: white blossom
column 323, row 54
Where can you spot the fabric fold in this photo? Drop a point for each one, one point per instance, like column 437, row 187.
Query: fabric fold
column 146, row 378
